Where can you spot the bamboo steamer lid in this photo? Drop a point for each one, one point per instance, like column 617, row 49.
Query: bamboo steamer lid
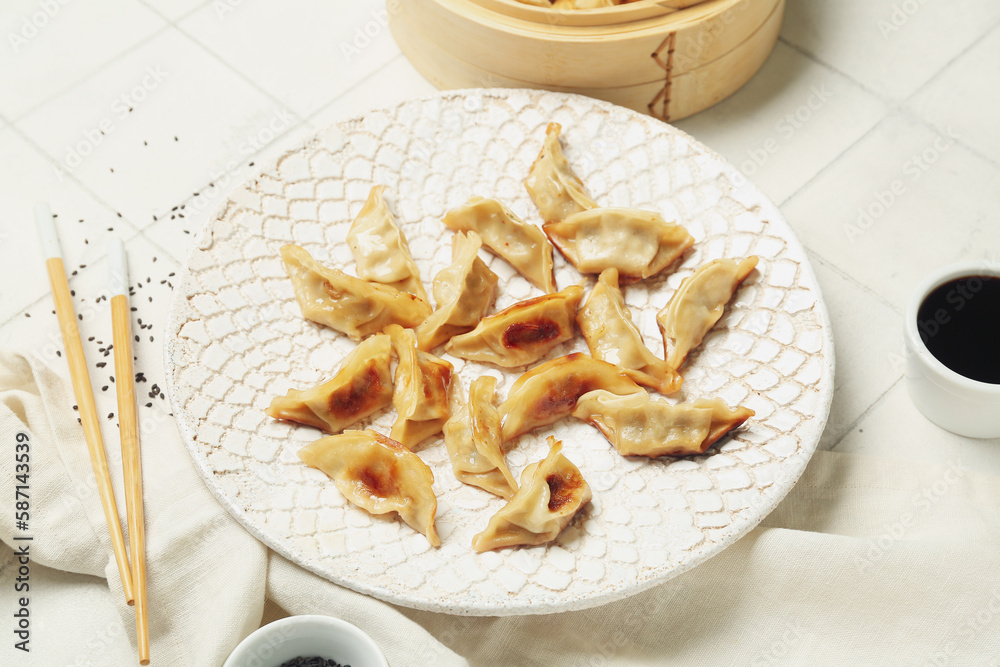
column 654, row 56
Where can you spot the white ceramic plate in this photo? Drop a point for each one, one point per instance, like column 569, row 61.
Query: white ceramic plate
column 238, row 339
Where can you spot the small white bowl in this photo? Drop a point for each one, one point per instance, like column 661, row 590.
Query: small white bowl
column 952, row 401
column 307, row 636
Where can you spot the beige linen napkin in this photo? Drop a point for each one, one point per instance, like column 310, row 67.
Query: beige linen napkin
column 869, row 561
column 207, row 575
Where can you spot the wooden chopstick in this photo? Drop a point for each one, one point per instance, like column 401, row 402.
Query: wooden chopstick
column 128, row 428
column 81, row 387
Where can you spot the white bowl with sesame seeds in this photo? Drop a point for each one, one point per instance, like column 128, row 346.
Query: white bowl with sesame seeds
column 307, row 636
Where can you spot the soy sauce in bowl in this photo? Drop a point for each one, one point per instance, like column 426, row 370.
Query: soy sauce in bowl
column 959, row 323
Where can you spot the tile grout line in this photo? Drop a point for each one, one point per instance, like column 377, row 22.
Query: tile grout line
column 860, row 418
column 902, row 106
column 975, row 42
column 232, row 68
column 71, row 176
column 851, row 279
column 302, row 121
column 836, row 159
column 352, row 87
column 101, row 66
column 92, row 73
column 836, row 70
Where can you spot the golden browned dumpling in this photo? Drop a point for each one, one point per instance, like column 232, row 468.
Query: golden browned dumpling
column 522, row 333
column 380, row 250
column 464, row 291
column 379, row 475
column 637, row 243
column 362, row 386
column 420, row 393
column 472, row 436
column 606, row 325
column 350, row 305
column 556, row 190
column 549, row 392
column 698, row 304
column 520, row 244
column 552, row 492
column 639, row 425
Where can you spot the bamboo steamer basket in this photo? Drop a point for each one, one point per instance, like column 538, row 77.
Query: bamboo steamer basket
column 667, row 58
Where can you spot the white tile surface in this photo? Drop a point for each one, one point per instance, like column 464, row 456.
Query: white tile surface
column 867, row 337
column 304, row 68
column 965, row 96
column 235, row 65
column 176, row 228
column 82, row 223
column 394, row 82
column 899, row 204
column 896, row 428
column 889, row 46
column 191, row 116
column 788, row 122
column 173, row 10
column 46, row 50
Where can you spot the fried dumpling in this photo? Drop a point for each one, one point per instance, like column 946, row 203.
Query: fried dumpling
column 363, row 385
column 420, row 393
column 522, row 333
column 380, row 250
column 556, row 190
column 549, row 392
column 584, row 4
column 552, row 492
column 464, row 291
column 639, row 425
column 520, row 244
column 612, row 336
column 637, row 243
column 379, row 475
column 472, row 436
column 698, row 304
column 350, row 305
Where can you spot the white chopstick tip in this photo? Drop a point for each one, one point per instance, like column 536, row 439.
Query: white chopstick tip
column 47, row 235
column 118, row 267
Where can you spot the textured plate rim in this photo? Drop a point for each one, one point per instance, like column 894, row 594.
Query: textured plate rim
column 791, row 470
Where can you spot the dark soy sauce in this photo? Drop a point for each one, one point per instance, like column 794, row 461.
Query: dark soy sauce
column 959, row 322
